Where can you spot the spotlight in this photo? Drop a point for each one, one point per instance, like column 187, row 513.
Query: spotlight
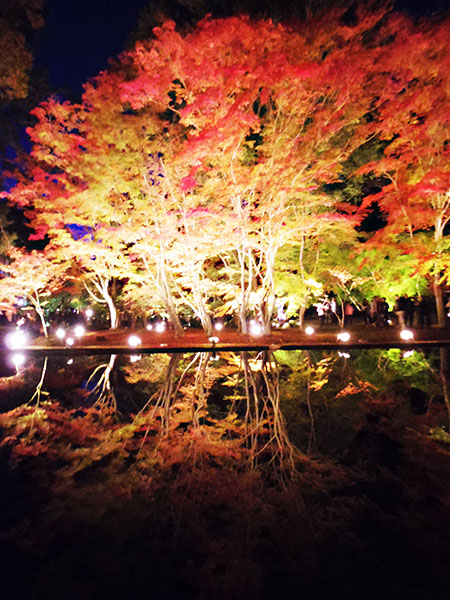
column 160, row 327
column 89, row 313
column 70, row 341
column 309, row 330
column 344, row 336
column 218, row 326
column 149, row 327
column 60, row 333
column 16, row 339
column 79, row 331
column 406, row 334
column 255, row 328
column 134, row 341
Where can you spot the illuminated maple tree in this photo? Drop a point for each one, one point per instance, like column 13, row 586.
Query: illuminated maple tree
column 415, row 120
column 213, row 148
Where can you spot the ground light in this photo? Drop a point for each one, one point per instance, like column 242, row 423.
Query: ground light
column 79, row 331
column 344, row 336
column 70, row 341
column 214, row 339
column 89, row 313
column 134, row 341
column 309, row 330
column 16, row 339
column 218, row 326
column 406, row 334
column 160, row 327
column 255, row 328
column 60, row 333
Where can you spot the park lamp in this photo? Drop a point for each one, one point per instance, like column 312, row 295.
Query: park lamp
column 255, row 328
column 343, row 336
column 16, row 339
column 309, row 330
column 218, row 326
column 89, row 313
column 160, row 327
column 70, row 341
column 134, row 341
column 406, row 335
column 60, row 333
column 79, row 331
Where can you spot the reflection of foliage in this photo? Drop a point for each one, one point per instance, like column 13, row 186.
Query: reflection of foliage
column 151, row 368
column 382, row 368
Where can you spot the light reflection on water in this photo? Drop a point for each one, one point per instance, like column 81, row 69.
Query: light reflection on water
column 313, row 399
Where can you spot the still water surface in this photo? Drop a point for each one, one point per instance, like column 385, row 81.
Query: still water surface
column 314, row 399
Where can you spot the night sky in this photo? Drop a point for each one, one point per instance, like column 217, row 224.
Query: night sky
column 79, row 36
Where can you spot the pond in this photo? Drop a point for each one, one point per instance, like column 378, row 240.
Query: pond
column 227, row 474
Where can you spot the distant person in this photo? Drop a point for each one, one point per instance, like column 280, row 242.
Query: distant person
column 409, row 311
column 400, row 308
column 423, row 312
column 365, row 308
column 320, row 313
column 348, row 313
column 383, row 312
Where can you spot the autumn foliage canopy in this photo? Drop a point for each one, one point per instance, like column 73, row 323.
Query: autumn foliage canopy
column 203, row 167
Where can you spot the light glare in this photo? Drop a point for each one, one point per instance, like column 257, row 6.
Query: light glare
column 18, row 360
column 16, row 340
column 134, row 341
column 255, row 328
column 406, row 334
column 79, row 331
column 309, row 330
column 344, row 336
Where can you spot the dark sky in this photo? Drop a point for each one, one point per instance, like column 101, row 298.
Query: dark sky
column 80, row 35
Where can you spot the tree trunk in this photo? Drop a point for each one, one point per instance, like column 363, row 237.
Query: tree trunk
column 438, row 295
column 169, row 304
column 301, row 315
column 112, row 311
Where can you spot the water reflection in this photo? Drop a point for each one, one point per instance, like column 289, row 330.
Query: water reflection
column 275, row 404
